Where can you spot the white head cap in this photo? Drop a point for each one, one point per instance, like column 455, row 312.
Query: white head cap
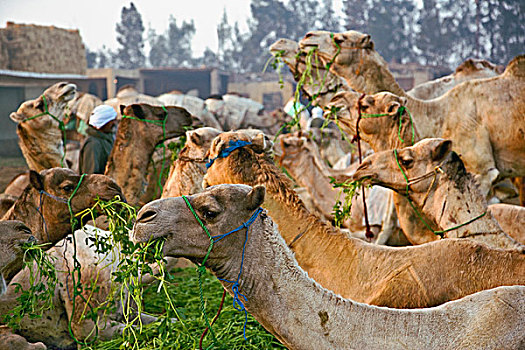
column 102, row 115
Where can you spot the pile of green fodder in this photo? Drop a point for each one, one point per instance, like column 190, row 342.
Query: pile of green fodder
column 174, row 298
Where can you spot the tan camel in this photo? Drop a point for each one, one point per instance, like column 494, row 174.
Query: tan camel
column 468, row 70
column 300, row 157
column 322, row 85
column 466, row 114
column 440, row 188
column 135, row 143
column 43, row 205
column 296, row 309
column 390, row 275
column 40, row 139
column 393, row 130
column 188, row 169
column 13, row 234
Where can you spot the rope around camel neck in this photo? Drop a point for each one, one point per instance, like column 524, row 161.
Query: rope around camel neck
column 407, row 196
column 237, row 303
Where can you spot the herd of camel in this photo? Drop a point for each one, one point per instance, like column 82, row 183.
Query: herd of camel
column 443, row 269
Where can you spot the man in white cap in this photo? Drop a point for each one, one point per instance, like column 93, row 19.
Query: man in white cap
column 96, row 148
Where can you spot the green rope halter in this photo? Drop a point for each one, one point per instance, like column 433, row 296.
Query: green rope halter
column 162, row 124
column 441, row 232
column 61, row 126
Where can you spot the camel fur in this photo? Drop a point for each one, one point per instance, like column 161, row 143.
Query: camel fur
column 395, row 277
column 40, row 139
column 135, row 143
column 511, row 218
column 188, row 169
column 477, row 122
column 440, row 188
column 296, row 309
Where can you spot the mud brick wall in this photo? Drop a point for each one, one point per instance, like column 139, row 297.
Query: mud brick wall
column 42, row 49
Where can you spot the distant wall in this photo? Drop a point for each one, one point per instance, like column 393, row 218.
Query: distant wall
column 43, row 49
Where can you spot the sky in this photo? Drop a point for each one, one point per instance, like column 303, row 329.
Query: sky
column 96, row 19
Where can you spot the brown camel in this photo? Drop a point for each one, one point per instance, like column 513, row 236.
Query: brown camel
column 40, row 139
column 135, row 143
column 440, row 188
column 13, row 234
column 128, row 95
column 188, row 169
column 43, row 204
column 296, row 309
column 466, row 114
column 193, row 104
column 395, row 277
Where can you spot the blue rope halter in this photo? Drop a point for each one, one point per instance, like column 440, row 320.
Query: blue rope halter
column 237, row 302
column 233, row 145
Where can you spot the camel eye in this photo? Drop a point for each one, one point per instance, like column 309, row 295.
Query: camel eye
column 209, row 214
column 406, row 162
column 68, row 188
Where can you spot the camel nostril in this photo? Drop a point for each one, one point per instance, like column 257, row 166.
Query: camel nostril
column 31, row 239
column 146, row 215
column 309, row 35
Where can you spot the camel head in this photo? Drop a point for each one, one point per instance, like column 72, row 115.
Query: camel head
column 287, row 49
column 56, row 98
column 421, row 163
column 238, row 167
column 51, row 190
column 381, row 131
column 198, row 142
column 291, row 146
column 342, row 48
column 221, row 208
column 13, row 235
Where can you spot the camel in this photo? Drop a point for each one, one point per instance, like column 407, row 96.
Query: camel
column 392, row 130
column 43, row 204
column 390, row 274
column 468, row 70
column 300, row 157
column 440, row 188
column 135, row 143
column 188, row 169
column 13, row 234
column 294, row 307
column 466, row 114
column 40, row 139
column 192, row 104
column 322, row 85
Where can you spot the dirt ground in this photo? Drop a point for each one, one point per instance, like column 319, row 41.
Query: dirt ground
column 9, row 168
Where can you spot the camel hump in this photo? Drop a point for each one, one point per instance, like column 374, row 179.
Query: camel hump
column 473, row 65
column 516, row 66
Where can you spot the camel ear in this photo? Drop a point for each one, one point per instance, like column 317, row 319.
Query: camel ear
column 17, row 118
column 440, row 149
column 138, row 111
column 393, row 108
column 255, row 197
column 262, row 142
column 196, row 138
column 122, row 108
column 36, row 180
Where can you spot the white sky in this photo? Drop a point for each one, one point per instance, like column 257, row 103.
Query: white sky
column 96, row 19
